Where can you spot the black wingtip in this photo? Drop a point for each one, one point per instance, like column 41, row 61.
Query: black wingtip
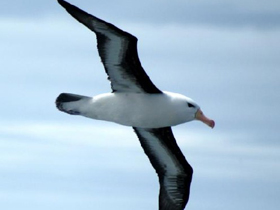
column 76, row 12
column 68, row 6
column 65, row 4
column 62, row 3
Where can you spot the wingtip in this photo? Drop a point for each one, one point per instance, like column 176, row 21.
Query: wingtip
column 63, row 3
column 60, row 1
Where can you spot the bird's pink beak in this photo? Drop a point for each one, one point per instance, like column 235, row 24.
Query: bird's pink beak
column 200, row 116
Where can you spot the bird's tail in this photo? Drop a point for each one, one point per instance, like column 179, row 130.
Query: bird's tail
column 67, row 102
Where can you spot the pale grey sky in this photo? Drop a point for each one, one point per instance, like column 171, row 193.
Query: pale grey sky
column 224, row 55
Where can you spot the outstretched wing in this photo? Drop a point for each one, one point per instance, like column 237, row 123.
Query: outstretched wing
column 118, row 52
column 174, row 172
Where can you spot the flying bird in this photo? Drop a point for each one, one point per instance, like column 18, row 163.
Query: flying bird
column 135, row 101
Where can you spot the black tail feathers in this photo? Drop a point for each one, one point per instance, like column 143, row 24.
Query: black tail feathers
column 65, row 98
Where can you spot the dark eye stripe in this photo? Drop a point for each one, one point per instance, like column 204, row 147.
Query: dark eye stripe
column 190, row 105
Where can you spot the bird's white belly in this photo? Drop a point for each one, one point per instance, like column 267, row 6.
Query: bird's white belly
column 137, row 109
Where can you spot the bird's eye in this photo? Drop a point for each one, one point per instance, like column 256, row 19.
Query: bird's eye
column 190, row 105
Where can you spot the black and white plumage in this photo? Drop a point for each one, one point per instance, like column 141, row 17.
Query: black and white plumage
column 135, row 101
column 174, row 172
column 118, row 52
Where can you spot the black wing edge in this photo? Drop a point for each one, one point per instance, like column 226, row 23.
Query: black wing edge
column 183, row 181
column 85, row 18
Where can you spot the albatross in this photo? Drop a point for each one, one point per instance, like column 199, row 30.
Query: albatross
column 135, row 101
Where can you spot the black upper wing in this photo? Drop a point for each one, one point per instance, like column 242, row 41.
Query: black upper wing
column 175, row 173
column 118, row 52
